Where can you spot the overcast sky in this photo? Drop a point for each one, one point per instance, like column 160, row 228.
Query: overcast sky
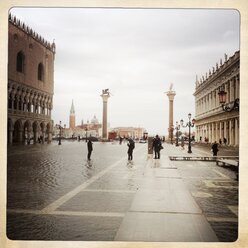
column 137, row 54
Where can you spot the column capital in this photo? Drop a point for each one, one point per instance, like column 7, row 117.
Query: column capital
column 105, row 97
column 171, row 94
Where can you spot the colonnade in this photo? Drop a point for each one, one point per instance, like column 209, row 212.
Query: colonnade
column 27, row 100
column 219, row 130
column 29, row 114
column 210, row 100
column 27, row 131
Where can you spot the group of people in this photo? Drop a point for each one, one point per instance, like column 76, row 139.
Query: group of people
column 156, row 145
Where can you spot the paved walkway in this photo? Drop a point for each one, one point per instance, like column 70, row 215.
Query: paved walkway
column 163, row 209
column 151, row 200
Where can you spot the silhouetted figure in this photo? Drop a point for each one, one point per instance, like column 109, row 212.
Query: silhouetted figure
column 215, row 149
column 90, row 148
column 224, row 141
column 157, row 146
column 220, row 141
column 131, row 146
column 182, row 142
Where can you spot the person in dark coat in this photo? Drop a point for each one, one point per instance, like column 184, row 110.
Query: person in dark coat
column 90, row 148
column 215, row 148
column 157, row 146
column 131, row 146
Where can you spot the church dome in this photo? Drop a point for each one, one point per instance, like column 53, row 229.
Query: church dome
column 94, row 120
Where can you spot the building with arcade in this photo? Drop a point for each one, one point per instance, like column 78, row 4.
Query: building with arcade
column 30, row 84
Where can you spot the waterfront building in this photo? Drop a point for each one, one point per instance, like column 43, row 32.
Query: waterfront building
column 125, row 132
column 212, row 122
column 30, row 84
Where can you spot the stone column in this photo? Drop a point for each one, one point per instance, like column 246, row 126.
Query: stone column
column 230, row 133
column 209, row 101
column 228, row 91
column 105, row 97
column 231, row 90
column 213, row 136
column 225, row 129
column 236, row 132
column 217, row 133
column 221, row 136
column 209, row 132
column 171, row 94
column 217, row 104
column 237, row 86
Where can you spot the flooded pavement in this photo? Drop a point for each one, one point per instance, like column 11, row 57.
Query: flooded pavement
column 54, row 194
column 92, row 199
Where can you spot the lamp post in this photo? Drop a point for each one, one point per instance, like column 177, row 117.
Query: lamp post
column 189, row 124
column 60, row 131
column 177, row 129
column 227, row 107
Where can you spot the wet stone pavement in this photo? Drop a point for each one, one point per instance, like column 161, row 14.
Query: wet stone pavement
column 54, row 194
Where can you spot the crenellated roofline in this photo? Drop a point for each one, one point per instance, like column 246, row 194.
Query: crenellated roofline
column 29, row 31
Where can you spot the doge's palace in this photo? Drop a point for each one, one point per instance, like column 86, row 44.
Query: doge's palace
column 212, row 122
column 30, row 84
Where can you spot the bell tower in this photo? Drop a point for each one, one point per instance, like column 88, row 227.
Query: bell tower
column 72, row 116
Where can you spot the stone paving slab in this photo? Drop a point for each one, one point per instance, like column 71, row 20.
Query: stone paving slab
column 59, row 227
column 167, row 173
column 165, row 227
column 99, row 202
column 164, row 195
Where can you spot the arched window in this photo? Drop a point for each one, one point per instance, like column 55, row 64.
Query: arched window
column 20, row 62
column 40, row 72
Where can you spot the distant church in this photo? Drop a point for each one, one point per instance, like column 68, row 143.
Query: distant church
column 83, row 130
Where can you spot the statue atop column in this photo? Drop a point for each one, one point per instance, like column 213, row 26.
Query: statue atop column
column 105, row 92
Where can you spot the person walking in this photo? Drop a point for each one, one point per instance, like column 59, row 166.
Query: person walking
column 224, row 141
column 182, row 142
column 215, row 148
column 157, row 146
column 131, row 146
column 90, row 148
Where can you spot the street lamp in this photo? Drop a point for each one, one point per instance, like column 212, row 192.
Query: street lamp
column 60, row 131
column 177, row 129
column 227, row 107
column 189, row 124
